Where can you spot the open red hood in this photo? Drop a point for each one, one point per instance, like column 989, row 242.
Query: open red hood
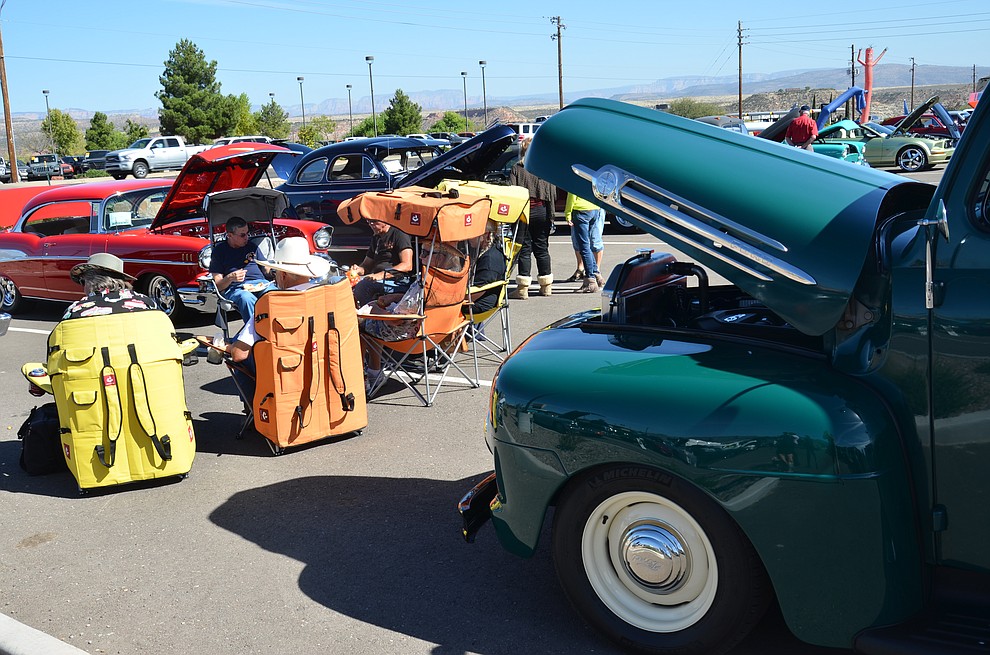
column 236, row 166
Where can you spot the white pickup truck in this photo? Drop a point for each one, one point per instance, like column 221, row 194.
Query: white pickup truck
column 157, row 153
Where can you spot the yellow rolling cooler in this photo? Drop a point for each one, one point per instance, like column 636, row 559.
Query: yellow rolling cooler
column 117, row 382
column 310, row 380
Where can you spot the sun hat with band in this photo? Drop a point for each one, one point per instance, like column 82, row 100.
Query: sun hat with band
column 103, row 263
column 292, row 256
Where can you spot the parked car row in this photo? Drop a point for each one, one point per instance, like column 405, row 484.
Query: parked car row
column 880, row 146
column 156, row 227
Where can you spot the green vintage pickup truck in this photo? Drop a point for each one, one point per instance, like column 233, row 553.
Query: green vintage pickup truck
column 816, row 432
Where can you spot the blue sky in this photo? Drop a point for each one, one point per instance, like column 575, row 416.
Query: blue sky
column 107, row 55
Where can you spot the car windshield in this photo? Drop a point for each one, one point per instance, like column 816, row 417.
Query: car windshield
column 43, row 159
column 882, row 129
column 133, row 209
column 140, row 144
column 399, row 162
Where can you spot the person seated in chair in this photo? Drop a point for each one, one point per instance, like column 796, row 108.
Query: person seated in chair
column 442, row 257
column 391, row 252
column 108, row 289
column 236, row 269
column 489, row 267
column 294, row 268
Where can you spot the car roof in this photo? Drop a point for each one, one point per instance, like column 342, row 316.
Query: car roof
column 92, row 191
column 366, row 145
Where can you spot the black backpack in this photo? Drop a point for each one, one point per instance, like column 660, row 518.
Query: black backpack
column 41, row 443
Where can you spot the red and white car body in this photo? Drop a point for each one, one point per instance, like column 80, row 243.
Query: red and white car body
column 156, row 226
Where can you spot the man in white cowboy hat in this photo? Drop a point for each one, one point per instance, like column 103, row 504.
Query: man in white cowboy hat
column 108, row 289
column 295, row 268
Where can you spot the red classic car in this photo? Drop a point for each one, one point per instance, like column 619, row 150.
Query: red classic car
column 156, row 226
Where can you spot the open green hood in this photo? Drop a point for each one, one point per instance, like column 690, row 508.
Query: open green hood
column 789, row 227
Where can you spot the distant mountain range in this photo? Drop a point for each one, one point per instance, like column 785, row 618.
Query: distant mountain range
column 886, row 75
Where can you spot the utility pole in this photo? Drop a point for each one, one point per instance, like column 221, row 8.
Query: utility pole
column 5, row 92
column 12, row 153
column 912, row 83
column 852, row 62
column 852, row 71
column 739, row 36
column 560, row 62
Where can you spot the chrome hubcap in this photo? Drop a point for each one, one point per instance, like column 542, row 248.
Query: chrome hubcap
column 162, row 294
column 655, row 557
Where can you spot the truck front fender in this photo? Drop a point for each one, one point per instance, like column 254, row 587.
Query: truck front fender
column 806, row 460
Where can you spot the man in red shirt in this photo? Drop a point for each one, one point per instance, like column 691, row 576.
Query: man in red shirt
column 803, row 130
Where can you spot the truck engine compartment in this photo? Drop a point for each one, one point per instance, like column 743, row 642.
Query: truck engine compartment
column 654, row 290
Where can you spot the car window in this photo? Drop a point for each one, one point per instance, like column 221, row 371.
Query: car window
column 352, row 167
column 402, row 161
column 133, row 209
column 71, row 217
column 313, row 172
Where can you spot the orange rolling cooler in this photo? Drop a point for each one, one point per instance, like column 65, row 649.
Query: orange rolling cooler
column 117, row 382
column 310, row 379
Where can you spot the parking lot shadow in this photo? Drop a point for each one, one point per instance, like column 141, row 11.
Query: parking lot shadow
column 388, row 551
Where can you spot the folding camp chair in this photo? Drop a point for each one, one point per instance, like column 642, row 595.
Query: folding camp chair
column 510, row 207
column 425, row 359
column 259, row 207
column 435, row 217
column 484, row 342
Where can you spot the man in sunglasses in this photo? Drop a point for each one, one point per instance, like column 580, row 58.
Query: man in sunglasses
column 236, row 268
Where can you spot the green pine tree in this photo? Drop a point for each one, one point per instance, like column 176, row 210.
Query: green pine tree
column 100, row 134
column 192, row 105
column 272, row 121
column 402, row 115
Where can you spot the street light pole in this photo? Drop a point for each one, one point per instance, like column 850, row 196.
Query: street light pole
column 484, row 91
column 371, row 81
column 464, row 79
column 350, row 112
column 302, row 102
column 51, row 137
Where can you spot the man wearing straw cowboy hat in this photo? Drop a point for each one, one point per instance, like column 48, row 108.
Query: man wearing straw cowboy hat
column 294, row 268
column 108, row 289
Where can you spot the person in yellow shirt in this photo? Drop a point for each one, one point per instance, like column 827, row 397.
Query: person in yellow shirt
column 587, row 221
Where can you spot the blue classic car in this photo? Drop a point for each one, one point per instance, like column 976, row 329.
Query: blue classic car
column 815, row 432
column 329, row 175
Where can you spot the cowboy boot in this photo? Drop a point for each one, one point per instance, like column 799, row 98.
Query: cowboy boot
column 522, row 287
column 546, row 285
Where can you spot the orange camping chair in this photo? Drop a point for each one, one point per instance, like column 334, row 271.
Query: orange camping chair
column 425, row 359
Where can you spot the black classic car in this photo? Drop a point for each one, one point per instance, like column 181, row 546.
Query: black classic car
column 329, row 175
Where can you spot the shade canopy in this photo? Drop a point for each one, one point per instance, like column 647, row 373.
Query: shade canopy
column 422, row 212
column 509, row 203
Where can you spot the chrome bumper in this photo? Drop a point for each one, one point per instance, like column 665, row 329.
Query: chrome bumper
column 475, row 507
column 196, row 297
column 4, row 323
